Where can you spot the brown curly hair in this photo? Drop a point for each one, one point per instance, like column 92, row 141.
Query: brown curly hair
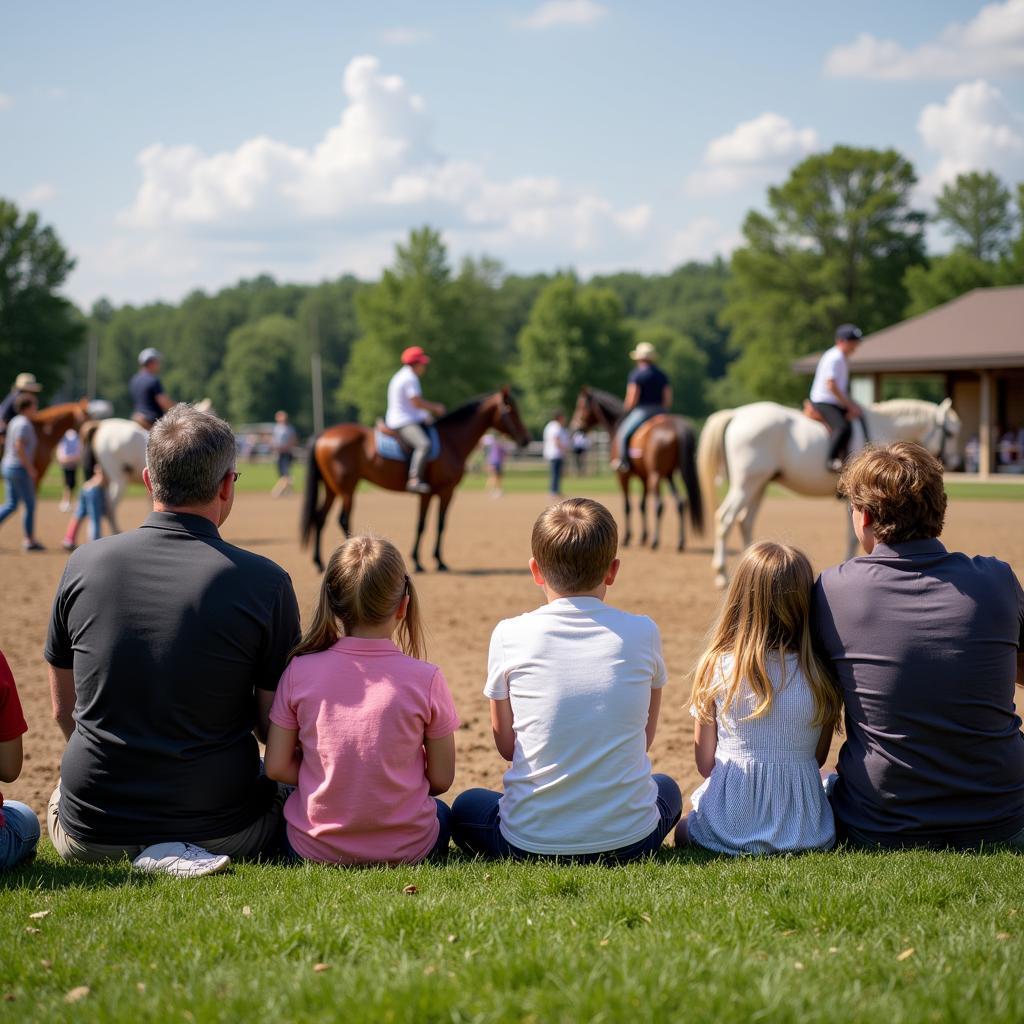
column 900, row 486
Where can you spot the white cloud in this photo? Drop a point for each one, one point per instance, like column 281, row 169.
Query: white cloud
column 701, row 239
column 340, row 203
column 753, row 153
column 57, row 93
column 6, row 102
column 39, row 194
column 405, row 35
column 556, row 13
column 975, row 129
column 992, row 43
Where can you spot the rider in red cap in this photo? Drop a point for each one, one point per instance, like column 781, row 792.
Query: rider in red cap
column 408, row 410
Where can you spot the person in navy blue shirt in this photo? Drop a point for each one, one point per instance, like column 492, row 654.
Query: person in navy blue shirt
column 648, row 393
column 149, row 401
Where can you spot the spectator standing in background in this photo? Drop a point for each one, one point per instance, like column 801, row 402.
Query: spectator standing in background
column 24, row 384
column 284, row 440
column 556, row 444
column 69, row 454
column 19, row 469
column 495, row 457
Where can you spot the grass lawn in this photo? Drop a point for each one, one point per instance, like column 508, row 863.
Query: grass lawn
column 260, row 476
column 834, row 937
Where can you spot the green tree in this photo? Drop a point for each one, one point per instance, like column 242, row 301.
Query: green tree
column 576, row 335
column 39, row 329
column 975, row 210
column 260, row 367
column 685, row 364
column 835, row 246
column 946, row 278
column 417, row 302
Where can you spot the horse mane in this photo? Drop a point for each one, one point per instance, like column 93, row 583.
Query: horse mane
column 906, row 410
column 613, row 403
column 463, row 412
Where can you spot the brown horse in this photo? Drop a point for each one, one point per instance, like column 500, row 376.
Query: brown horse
column 51, row 424
column 666, row 444
column 343, row 455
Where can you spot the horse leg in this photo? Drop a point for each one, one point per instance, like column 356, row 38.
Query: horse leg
column 420, row 524
column 643, row 513
column 443, row 501
column 659, row 507
column 739, row 508
column 345, row 515
column 681, row 508
column 318, row 526
column 114, row 489
column 628, row 535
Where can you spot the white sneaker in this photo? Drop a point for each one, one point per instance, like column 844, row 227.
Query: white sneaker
column 183, row 860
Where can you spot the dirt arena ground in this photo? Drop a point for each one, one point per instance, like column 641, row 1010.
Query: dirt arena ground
column 487, row 549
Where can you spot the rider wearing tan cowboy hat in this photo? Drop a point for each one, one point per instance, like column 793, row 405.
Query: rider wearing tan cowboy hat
column 24, row 384
column 408, row 411
column 647, row 394
column 149, row 402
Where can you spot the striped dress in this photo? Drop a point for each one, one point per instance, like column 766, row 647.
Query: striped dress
column 764, row 794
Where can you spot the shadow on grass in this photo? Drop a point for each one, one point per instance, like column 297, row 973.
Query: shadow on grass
column 50, row 875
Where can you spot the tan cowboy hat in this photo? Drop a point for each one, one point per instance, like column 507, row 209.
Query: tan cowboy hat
column 644, row 351
column 27, row 382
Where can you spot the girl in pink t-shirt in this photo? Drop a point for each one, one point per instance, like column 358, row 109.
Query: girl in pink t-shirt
column 365, row 731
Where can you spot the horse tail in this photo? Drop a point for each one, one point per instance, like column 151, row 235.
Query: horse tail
column 311, row 496
column 86, row 434
column 711, row 458
column 686, row 446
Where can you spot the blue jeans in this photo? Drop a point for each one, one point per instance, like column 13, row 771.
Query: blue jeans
column 556, row 476
column 476, row 819
column 20, row 488
column 19, row 834
column 633, row 419
column 91, row 503
column 438, row 852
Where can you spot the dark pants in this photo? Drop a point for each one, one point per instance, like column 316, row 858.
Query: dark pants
column 840, row 427
column 556, row 476
column 475, row 821
column 417, row 439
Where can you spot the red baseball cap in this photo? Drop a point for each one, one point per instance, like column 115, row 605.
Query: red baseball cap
column 414, row 354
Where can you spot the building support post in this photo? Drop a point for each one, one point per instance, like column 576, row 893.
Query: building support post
column 985, row 432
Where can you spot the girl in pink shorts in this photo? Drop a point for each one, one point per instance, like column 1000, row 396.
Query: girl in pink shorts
column 361, row 726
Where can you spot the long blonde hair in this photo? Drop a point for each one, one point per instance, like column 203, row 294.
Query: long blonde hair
column 363, row 585
column 766, row 612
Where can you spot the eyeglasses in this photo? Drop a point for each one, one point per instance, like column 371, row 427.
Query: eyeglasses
column 234, row 474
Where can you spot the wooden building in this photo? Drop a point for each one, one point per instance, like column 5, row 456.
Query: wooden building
column 975, row 344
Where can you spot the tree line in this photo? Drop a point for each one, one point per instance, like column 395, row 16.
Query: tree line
column 841, row 240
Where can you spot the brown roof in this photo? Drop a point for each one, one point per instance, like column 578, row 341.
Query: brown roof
column 982, row 330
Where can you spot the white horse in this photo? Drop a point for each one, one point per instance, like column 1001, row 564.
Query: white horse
column 119, row 446
column 765, row 442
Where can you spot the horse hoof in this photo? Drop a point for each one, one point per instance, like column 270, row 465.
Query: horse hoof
column 417, row 567
column 441, row 567
column 654, row 545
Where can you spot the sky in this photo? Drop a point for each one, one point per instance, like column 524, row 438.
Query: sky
column 187, row 145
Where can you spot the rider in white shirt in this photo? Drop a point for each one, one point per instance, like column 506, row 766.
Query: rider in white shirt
column 408, row 411
column 830, row 392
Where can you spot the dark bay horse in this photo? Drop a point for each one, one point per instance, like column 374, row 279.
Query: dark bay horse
column 666, row 444
column 343, row 455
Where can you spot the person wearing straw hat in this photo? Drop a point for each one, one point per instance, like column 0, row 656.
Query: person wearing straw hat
column 647, row 394
column 24, row 384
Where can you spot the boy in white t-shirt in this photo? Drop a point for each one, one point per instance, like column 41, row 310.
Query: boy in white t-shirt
column 575, row 691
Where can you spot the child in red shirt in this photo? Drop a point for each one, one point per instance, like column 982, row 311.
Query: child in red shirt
column 19, row 827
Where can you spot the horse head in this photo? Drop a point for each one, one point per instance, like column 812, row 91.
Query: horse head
column 583, row 417
column 947, row 428
column 507, row 418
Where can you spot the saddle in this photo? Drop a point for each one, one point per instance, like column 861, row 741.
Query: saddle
column 391, row 446
column 812, row 414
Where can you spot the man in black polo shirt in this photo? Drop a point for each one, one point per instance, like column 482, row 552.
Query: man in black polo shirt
column 165, row 647
column 927, row 644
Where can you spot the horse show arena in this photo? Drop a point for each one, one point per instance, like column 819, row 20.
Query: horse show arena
column 487, row 547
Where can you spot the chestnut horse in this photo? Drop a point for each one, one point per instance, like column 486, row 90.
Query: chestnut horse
column 51, row 424
column 343, row 455
column 665, row 443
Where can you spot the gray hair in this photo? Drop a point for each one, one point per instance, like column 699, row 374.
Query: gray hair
column 188, row 455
